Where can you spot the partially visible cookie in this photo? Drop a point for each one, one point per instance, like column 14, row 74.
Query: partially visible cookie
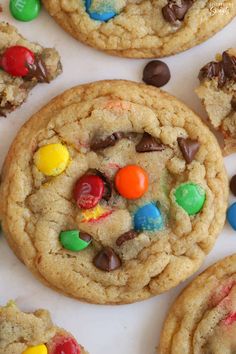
column 142, row 28
column 113, row 192
column 33, row 333
column 23, row 64
column 203, row 318
column 217, row 91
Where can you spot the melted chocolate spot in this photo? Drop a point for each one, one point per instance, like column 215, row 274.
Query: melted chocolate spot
column 223, row 70
column 189, row 148
column 107, row 260
column 37, row 71
column 108, row 188
column 173, row 12
column 148, row 144
column 126, row 237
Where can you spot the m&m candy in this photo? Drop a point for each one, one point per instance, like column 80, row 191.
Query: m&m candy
column 88, row 191
column 52, row 159
column 75, row 241
column 100, row 10
column 131, row 182
column 231, row 216
column 25, row 10
column 148, row 218
column 38, row 349
column 191, row 197
column 16, row 60
column 64, row 345
column 95, row 214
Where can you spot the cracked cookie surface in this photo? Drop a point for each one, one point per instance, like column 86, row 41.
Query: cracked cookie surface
column 14, row 90
column 20, row 331
column 203, row 318
column 106, row 127
column 217, row 91
column 143, row 28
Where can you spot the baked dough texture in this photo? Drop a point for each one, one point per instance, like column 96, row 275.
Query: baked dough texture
column 14, row 90
column 203, row 318
column 34, row 209
column 20, row 331
column 218, row 95
column 140, row 30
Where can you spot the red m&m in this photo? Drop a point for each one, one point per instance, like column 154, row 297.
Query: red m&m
column 131, row 182
column 64, row 345
column 88, row 191
column 15, row 60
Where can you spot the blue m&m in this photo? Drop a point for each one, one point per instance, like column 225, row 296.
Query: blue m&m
column 100, row 11
column 231, row 216
column 148, row 218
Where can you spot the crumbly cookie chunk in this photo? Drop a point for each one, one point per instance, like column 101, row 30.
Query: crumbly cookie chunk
column 15, row 89
column 142, row 28
column 20, row 332
column 203, row 318
column 217, row 91
column 114, row 192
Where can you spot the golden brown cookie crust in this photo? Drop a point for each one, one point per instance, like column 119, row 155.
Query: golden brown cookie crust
column 160, row 265
column 198, row 320
column 20, row 330
column 140, row 31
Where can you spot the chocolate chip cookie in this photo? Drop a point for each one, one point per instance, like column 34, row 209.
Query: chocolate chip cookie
column 142, row 28
column 217, row 91
column 203, row 318
column 22, row 65
column 114, row 192
column 33, row 333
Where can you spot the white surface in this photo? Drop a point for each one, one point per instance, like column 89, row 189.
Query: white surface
column 129, row 329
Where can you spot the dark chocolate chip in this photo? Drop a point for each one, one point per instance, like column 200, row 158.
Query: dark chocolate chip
column 85, row 237
column 108, row 188
column 233, row 103
column 126, row 237
column 102, row 143
column 107, row 260
column 148, row 143
column 229, row 65
column 173, row 12
column 37, row 71
column 156, row 73
column 189, row 148
column 232, row 185
column 209, row 71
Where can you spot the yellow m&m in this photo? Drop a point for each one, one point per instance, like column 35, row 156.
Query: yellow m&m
column 52, row 159
column 38, row 349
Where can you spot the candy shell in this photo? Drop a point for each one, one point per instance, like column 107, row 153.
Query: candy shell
column 104, row 14
column 72, row 241
column 95, row 214
column 148, row 218
column 191, row 197
column 64, row 345
column 38, row 349
column 25, row 10
column 88, row 191
column 231, row 216
column 131, row 182
column 52, row 159
column 15, row 60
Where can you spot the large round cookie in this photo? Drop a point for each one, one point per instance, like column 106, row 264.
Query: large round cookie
column 140, row 247
column 203, row 318
column 142, row 28
column 33, row 333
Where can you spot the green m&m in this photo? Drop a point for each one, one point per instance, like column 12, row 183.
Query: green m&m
column 74, row 240
column 25, row 10
column 191, row 197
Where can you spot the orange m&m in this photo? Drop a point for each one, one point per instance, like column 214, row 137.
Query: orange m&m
column 131, row 182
